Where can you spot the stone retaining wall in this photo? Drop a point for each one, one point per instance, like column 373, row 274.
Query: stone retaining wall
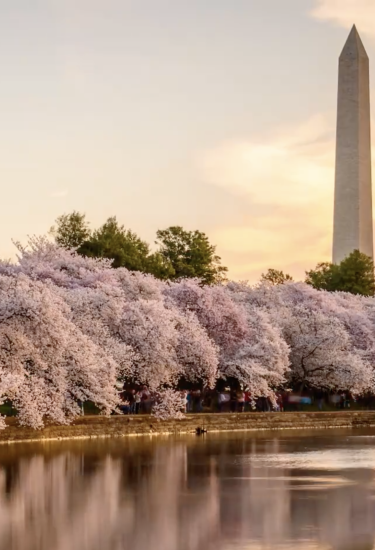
column 120, row 426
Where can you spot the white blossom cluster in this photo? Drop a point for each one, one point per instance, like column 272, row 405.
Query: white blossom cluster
column 72, row 327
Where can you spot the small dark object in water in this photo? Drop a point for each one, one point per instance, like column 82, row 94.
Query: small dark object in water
column 200, row 431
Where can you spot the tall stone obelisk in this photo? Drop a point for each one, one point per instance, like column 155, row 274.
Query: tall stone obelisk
column 352, row 228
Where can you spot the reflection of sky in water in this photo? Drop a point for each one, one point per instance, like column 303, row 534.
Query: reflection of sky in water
column 304, row 545
column 328, row 459
column 299, row 483
column 300, row 545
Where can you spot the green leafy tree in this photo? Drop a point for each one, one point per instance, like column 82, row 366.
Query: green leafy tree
column 276, row 277
column 121, row 245
column 190, row 254
column 181, row 253
column 71, row 230
column 159, row 266
column 354, row 274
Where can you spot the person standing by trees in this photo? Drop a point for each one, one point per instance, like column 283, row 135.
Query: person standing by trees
column 233, row 400
column 137, row 402
column 240, row 400
column 221, row 400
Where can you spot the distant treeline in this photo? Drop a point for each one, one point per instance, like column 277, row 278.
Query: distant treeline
column 189, row 254
column 179, row 253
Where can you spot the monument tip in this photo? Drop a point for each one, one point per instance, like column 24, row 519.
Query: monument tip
column 353, row 46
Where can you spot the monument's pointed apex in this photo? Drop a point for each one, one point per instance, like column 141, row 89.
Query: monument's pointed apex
column 353, row 46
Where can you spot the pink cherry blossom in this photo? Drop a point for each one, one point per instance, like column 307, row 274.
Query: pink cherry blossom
column 170, row 404
column 47, row 364
column 71, row 328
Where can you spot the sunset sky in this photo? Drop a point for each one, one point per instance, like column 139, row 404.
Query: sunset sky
column 216, row 115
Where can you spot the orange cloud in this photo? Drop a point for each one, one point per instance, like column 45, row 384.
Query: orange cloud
column 347, row 12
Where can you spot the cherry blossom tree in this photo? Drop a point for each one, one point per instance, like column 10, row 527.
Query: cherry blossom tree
column 96, row 312
column 47, row 364
column 346, row 340
column 43, row 260
column 126, row 314
column 168, row 345
column 251, row 349
column 329, row 334
column 224, row 320
column 170, row 404
column 322, row 354
column 197, row 354
column 71, row 327
column 261, row 362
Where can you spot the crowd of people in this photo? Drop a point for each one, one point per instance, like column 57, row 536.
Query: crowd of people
column 136, row 400
column 140, row 401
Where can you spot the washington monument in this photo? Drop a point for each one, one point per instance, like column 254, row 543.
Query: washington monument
column 352, row 226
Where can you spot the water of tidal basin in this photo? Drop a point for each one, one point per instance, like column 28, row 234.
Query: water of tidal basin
column 230, row 492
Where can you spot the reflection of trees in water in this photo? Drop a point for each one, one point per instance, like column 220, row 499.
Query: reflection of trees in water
column 255, row 501
column 170, row 517
column 176, row 497
column 52, row 505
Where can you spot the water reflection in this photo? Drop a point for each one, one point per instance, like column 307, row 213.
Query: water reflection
column 192, row 494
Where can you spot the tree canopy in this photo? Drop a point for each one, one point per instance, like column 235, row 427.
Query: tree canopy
column 71, row 230
column 276, row 277
column 114, row 242
column 190, row 254
column 180, row 253
column 355, row 274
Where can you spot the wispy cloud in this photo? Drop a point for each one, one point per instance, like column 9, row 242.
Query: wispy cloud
column 346, row 12
column 289, row 167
